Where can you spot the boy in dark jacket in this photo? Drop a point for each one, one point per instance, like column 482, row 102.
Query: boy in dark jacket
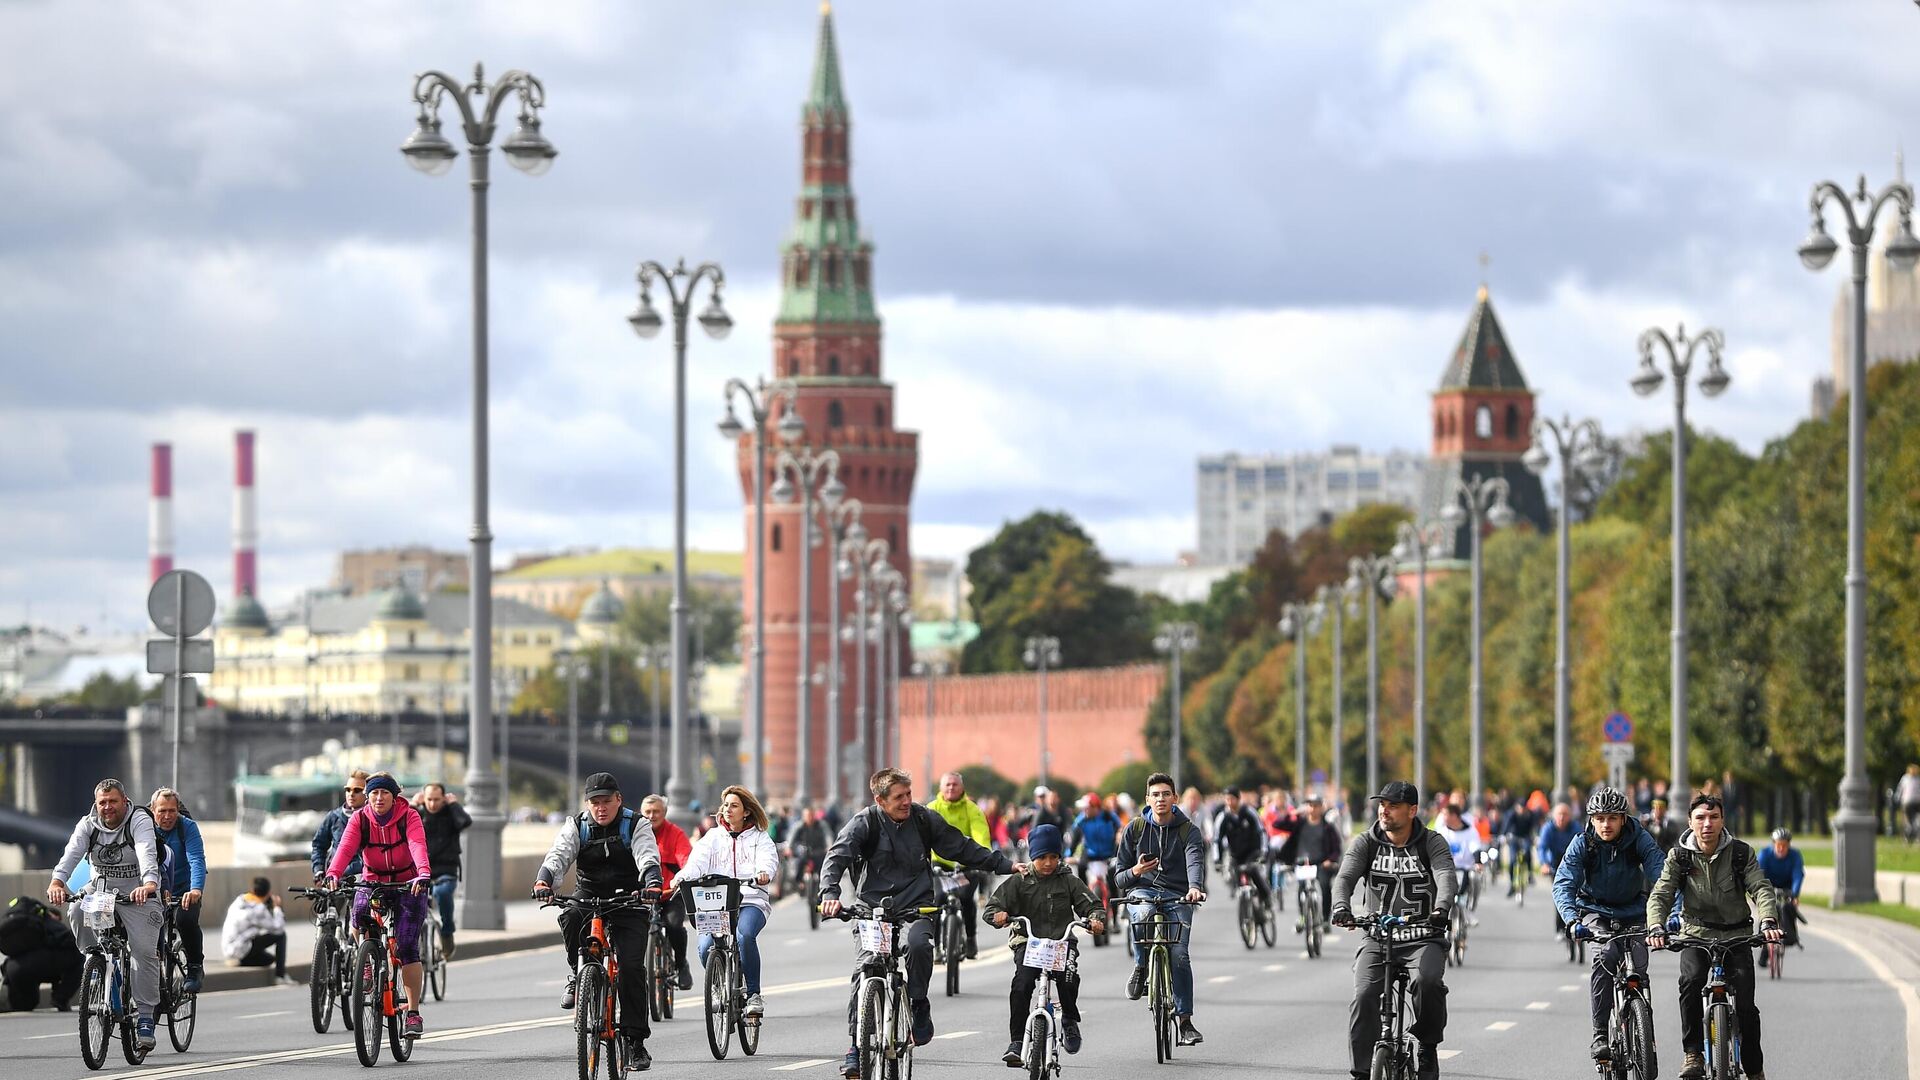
column 1603, row 878
column 1051, row 898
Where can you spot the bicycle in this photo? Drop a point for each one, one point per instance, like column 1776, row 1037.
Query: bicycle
column 1159, row 932
column 1476, row 878
column 1306, row 876
column 377, row 992
column 1457, row 925
column 433, row 959
column 1394, row 1053
column 661, row 969
column 1723, row 1034
column 715, row 900
column 883, row 1031
column 107, row 1010
column 810, row 888
column 596, row 1009
column 1519, row 869
column 1256, row 915
column 1054, row 957
column 180, row 1008
column 950, row 927
column 1630, row 1039
column 1777, row 950
column 329, row 982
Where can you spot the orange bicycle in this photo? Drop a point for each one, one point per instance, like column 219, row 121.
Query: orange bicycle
column 596, row 1010
column 378, row 999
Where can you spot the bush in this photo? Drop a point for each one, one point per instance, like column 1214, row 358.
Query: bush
column 1130, row 778
column 983, row 782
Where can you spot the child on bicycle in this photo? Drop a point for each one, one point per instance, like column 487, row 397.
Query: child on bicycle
column 1051, row 898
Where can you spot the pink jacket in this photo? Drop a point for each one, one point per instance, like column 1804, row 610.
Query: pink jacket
column 393, row 850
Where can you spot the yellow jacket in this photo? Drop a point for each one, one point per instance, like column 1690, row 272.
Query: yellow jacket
column 965, row 816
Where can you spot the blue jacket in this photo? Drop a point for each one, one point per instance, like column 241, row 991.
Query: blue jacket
column 1788, row 873
column 1099, row 832
column 1608, row 879
column 188, row 867
column 1554, row 841
column 327, row 837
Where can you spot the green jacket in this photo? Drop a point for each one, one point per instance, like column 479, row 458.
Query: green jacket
column 1713, row 897
column 965, row 816
column 1051, row 903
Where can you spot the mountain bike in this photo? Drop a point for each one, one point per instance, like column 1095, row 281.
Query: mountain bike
column 1256, row 913
column 1055, row 958
column 1159, row 932
column 1723, row 1032
column 661, row 970
column 107, row 1009
column 883, row 1032
column 330, row 981
column 715, row 903
column 180, row 1008
column 1306, row 875
column 596, row 1010
column 1630, row 1033
column 950, row 927
column 1394, row 1053
column 810, row 887
column 377, row 993
column 1457, row 925
column 433, row 958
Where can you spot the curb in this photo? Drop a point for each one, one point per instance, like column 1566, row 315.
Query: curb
column 249, row 978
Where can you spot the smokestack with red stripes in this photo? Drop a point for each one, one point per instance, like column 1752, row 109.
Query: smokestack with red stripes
column 160, row 513
column 245, row 537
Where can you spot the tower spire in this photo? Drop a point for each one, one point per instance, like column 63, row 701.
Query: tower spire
column 825, row 93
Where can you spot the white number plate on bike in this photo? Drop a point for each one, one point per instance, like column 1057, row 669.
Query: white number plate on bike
column 1047, row 954
column 711, row 922
column 97, row 910
column 875, row 936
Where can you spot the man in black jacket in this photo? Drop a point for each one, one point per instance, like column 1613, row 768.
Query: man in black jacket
column 1317, row 841
column 1238, row 832
column 38, row 948
column 444, row 819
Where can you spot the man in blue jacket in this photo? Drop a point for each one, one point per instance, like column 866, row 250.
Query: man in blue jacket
column 185, row 877
column 1601, row 884
column 1163, row 856
column 1555, row 835
column 332, row 827
column 1782, row 866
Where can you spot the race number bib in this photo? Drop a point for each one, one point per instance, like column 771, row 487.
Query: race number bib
column 710, row 910
column 1047, row 954
column 96, row 910
column 875, row 936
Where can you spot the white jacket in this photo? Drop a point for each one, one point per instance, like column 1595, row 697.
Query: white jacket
column 248, row 918
column 748, row 855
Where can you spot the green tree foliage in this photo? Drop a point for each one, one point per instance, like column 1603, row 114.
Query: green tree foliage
column 983, row 782
column 649, row 618
column 1130, row 778
column 631, row 689
column 1043, row 575
column 104, row 692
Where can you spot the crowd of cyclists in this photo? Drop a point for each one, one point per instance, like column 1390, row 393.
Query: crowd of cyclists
column 1628, row 876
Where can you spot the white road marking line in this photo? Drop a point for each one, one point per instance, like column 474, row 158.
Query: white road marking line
column 1567, row 988
column 55, row 1035
column 263, row 1016
column 1500, row 1025
column 1222, row 978
column 795, row 941
column 1445, row 1054
column 1305, row 955
column 551, row 982
column 808, row 1064
column 1908, row 996
column 955, row 1034
column 1274, row 967
column 1538, row 1005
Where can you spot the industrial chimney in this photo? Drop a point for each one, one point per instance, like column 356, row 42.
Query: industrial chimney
column 160, row 513
column 245, row 536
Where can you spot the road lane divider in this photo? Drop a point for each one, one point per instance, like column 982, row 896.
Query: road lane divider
column 1501, row 1025
column 955, row 1034
column 1536, row 1006
column 794, row 1066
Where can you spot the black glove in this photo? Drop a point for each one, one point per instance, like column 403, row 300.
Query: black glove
column 1341, row 917
column 1437, row 917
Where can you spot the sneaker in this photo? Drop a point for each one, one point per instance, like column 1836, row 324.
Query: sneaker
column 196, row 975
column 1137, row 984
column 1693, row 1066
column 683, row 977
column 144, row 1040
column 922, row 1022
column 566, row 1000
column 850, row 1065
column 1012, row 1056
column 1602, row 1047
column 284, row 979
column 415, row 1026
column 638, row 1060
column 446, row 946
column 755, row 1007
column 1070, row 1036
column 1428, row 1066
column 1189, row 1035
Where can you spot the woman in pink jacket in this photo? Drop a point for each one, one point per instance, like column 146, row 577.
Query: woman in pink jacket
column 392, row 844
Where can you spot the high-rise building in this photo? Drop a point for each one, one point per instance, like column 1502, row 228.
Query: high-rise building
column 826, row 338
column 1893, row 316
column 1243, row 497
column 416, row 567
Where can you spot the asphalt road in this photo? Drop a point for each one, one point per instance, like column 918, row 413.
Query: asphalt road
column 1518, row 1009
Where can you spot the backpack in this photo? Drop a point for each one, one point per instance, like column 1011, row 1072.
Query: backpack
column 872, row 843
column 162, row 854
column 625, row 819
column 1137, row 828
column 1741, row 853
column 28, row 925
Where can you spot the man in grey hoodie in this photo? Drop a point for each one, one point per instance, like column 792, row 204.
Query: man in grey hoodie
column 1163, row 856
column 117, row 840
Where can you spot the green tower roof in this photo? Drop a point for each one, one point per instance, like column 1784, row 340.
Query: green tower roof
column 827, row 271
column 825, row 93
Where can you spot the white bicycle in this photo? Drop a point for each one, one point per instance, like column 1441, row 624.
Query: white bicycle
column 1054, row 957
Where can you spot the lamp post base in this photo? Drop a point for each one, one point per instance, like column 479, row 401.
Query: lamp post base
column 480, row 905
column 1853, row 840
column 679, row 803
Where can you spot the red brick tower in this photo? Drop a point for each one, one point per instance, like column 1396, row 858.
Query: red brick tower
column 826, row 338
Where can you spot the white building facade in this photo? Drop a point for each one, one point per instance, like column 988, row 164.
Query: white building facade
column 1243, row 497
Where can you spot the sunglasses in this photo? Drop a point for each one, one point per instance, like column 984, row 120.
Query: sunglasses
column 354, row 790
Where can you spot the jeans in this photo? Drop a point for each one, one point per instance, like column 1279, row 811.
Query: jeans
column 1182, row 966
column 269, row 948
column 1693, row 980
column 443, row 889
column 746, row 936
column 1427, row 963
column 916, row 940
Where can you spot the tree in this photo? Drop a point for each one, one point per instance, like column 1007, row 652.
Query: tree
column 104, row 692
column 713, row 620
column 1060, row 588
column 985, row 782
column 1644, row 491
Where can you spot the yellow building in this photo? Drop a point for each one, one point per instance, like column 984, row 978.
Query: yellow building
column 563, row 584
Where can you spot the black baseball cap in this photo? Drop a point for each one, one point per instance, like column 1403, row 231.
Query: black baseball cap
column 602, row 783
column 1398, row 791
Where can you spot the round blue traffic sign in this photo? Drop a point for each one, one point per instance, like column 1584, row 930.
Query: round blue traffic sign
column 1618, row 728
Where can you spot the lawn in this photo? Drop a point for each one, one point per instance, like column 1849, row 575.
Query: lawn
column 1888, row 854
column 1908, row 915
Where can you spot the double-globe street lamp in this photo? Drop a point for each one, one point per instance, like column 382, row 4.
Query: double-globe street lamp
column 890, row 616
column 1416, row 542
column 571, row 667
column 1680, row 352
column 1473, row 500
column 807, row 473
column 529, row 151
column 1297, row 620
column 1578, row 444
column 1853, row 857
column 860, row 558
column 931, row 671
column 760, row 397
column 1042, row 652
column 680, row 284
column 840, row 523
column 1373, row 575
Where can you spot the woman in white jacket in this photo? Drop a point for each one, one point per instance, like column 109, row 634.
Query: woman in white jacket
column 739, row 849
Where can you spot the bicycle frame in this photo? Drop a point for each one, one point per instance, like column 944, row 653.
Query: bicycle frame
column 1158, row 932
column 597, row 952
column 894, row 1020
column 1629, row 988
column 1717, row 994
column 115, row 971
column 1394, row 1045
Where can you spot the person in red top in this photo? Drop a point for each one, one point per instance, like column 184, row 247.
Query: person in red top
column 392, row 845
column 675, row 850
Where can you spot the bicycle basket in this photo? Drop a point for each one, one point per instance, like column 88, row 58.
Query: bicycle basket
column 713, row 907
column 876, row 937
column 1047, row 954
column 96, row 911
column 1148, row 932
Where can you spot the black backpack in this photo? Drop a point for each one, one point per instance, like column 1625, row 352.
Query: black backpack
column 162, row 854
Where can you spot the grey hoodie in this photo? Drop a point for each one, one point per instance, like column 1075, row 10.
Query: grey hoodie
column 120, row 856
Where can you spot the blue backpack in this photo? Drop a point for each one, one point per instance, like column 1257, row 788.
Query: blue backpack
column 626, row 820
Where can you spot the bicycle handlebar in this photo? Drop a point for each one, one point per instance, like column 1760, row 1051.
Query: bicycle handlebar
column 1675, row 944
column 850, row 912
column 603, row 903
column 1077, row 924
column 1159, row 901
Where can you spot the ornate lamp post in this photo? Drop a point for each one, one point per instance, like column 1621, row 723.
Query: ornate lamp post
column 1417, row 543
column 1373, row 575
column 1297, row 620
column 1572, row 440
column 841, row 522
column 858, row 561
column 809, row 473
column 529, row 151
column 930, row 670
column 570, row 667
column 1473, row 500
column 1043, row 652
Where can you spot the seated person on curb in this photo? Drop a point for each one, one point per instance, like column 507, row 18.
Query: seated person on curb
column 1782, row 866
column 890, row 843
column 741, row 849
column 255, row 933
column 1051, row 898
column 387, row 835
column 675, row 849
column 37, row 947
column 1316, row 840
column 1604, row 878
column 1239, row 832
column 1407, row 871
column 1162, row 856
column 1714, row 875
column 612, row 851
column 118, row 840
column 964, row 814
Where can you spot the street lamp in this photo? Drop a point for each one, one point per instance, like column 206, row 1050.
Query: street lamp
column 807, row 472
column 1297, row 620
column 840, row 521
column 1043, row 652
column 430, row 152
column 1372, row 574
column 1336, row 599
column 1418, row 542
column 680, row 284
column 888, row 601
column 656, row 659
column 1483, row 498
column 1576, row 442
column 760, row 397
column 1680, row 351
column 1853, row 857
column 902, row 623
column 930, row 670
column 1174, row 640
column 860, row 557
column 571, row 667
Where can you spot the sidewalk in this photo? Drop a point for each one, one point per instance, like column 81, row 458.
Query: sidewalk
column 528, row 927
column 1894, row 886
column 1889, row 949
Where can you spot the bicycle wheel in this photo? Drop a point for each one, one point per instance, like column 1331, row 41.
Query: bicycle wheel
column 1639, row 1025
column 719, row 1004
column 397, row 1040
column 872, row 1038
column 435, row 962
column 1720, row 1066
column 369, row 975
column 343, row 983
column 1269, row 924
column 182, row 1019
column 96, row 1019
column 668, row 982
column 749, row 1027
column 590, row 997
column 1039, row 1038
column 1101, row 894
column 1313, row 928
column 1249, row 926
column 1383, row 1063
column 320, row 984
column 1159, row 985
column 956, row 951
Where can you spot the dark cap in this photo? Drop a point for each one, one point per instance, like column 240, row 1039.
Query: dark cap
column 1398, row 791
column 602, row 783
column 1231, row 790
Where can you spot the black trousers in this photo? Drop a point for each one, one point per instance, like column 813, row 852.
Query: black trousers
column 917, row 941
column 1020, row 998
column 1607, row 959
column 268, row 949
column 23, row 975
column 192, row 940
column 1427, row 963
column 1694, row 964
column 674, row 918
column 969, row 908
column 627, row 931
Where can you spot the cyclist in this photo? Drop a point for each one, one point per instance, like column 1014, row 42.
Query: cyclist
column 1315, row 839
column 1605, row 875
column 963, row 814
column 387, row 834
column 1555, row 835
column 889, row 844
column 118, row 840
column 1463, row 844
column 1518, row 831
column 1907, row 795
column 1238, row 833
column 808, row 845
column 1095, row 833
column 740, row 848
column 613, row 852
column 1782, row 866
column 1050, row 900
column 1394, row 859
column 675, row 849
column 1714, row 875
column 1665, row 830
column 186, row 878
column 1161, row 855
column 444, row 820
column 327, row 837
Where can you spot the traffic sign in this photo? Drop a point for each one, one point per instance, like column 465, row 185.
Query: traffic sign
column 1617, row 753
column 1618, row 728
column 181, row 603
column 196, row 654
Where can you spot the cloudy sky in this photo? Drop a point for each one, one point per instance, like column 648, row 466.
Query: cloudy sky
column 1111, row 236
